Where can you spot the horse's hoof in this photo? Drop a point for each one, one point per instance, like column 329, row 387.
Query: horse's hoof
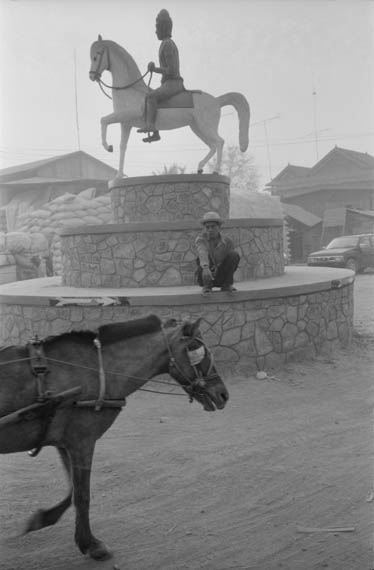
column 35, row 522
column 110, row 148
column 99, row 552
column 200, row 171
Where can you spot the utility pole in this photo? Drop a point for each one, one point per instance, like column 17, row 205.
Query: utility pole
column 315, row 121
column 76, row 100
column 263, row 122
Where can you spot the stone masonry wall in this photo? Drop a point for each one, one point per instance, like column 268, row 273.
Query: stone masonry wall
column 131, row 255
column 169, row 198
column 261, row 334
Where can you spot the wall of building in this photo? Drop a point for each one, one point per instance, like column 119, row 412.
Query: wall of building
column 318, row 202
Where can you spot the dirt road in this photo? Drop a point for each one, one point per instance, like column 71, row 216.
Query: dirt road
column 176, row 488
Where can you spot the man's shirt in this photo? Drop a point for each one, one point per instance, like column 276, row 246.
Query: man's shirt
column 212, row 254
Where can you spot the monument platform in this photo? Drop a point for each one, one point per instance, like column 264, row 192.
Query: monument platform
column 266, row 323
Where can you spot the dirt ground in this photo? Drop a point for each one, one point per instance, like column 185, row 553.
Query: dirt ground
column 177, row 488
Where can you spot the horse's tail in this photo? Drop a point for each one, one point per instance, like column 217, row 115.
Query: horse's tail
column 240, row 103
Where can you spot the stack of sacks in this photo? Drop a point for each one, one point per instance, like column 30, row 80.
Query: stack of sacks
column 23, row 246
column 6, row 258
column 66, row 210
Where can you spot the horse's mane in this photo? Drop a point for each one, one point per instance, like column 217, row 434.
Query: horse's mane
column 137, row 327
column 107, row 333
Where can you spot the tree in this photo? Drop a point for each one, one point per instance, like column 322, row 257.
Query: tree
column 172, row 169
column 240, row 168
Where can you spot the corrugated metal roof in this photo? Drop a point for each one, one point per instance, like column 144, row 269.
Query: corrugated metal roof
column 301, row 215
column 30, row 166
column 39, row 180
column 368, row 213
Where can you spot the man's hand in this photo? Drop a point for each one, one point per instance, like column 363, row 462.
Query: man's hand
column 151, row 66
column 207, row 274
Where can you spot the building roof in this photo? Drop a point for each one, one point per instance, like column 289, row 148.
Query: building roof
column 368, row 213
column 338, row 166
column 300, row 215
column 291, row 171
column 39, row 180
column 12, row 172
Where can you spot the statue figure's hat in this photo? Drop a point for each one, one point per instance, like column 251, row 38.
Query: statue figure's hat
column 163, row 21
column 163, row 15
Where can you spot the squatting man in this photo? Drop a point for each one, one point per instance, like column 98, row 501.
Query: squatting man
column 217, row 259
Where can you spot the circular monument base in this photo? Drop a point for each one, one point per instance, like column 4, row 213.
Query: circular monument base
column 264, row 324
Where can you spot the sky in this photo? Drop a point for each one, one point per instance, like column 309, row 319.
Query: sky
column 305, row 66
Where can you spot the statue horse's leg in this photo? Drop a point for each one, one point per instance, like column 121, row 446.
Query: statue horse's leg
column 125, row 134
column 208, row 133
column 81, row 456
column 125, row 118
column 48, row 517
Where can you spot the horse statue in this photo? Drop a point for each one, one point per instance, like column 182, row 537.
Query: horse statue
column 67, row 390
column 201, row 114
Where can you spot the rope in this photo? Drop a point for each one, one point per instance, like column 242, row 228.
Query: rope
column 108, row 372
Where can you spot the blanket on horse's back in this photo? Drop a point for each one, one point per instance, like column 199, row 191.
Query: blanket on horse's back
column 180, row 100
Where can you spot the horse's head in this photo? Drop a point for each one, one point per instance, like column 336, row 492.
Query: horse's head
column 99, row 59
column 191, row 365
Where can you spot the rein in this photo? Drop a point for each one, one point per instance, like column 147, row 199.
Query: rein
column 115, row 88
column 101, row 84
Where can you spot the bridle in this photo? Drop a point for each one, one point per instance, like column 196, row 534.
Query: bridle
column 97, row 76
column 197, row 386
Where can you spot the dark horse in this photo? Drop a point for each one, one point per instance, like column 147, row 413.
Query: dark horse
column 68, row 390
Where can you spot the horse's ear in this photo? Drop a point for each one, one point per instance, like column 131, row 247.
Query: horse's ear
column 99, row 38
column 190, row 329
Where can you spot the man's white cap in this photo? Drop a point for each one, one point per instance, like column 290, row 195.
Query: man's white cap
column 211, row 217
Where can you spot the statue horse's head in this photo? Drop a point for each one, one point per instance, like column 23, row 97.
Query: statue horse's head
column 99, row 59
column 191, row 364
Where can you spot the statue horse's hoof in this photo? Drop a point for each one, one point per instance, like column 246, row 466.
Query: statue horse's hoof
column 110, row 148
column 99, row 552
column 200, row 171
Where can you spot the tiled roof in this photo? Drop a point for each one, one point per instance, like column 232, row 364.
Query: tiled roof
column 300, row 176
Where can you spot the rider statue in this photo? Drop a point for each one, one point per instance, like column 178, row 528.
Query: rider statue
column 171, row 81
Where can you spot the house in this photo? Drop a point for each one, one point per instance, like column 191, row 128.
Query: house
column 29, row 186
column 304, row 232
column 341, row 179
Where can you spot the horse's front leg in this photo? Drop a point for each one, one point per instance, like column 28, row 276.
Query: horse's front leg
column 125, row 134
column 105, row 121
column 81, row 459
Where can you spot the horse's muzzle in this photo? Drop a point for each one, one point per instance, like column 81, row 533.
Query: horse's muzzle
column 93, row 75
column 215, row 398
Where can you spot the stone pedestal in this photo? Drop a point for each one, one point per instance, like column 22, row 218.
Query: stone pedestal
column 169, row 197
column 162, row 254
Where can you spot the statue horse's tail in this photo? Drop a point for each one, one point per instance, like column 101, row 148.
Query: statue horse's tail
column 240, row 103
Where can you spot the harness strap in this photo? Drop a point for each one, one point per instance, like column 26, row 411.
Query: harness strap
column 100, row 400
column 39, row 368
